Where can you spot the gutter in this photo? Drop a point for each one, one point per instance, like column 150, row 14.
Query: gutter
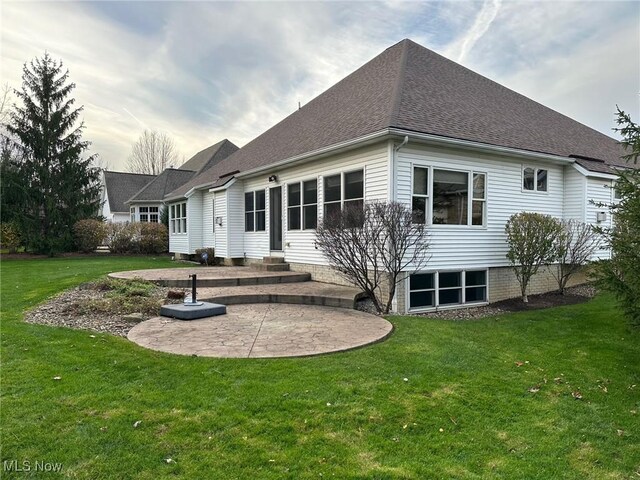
column 469, row 144
column 590, row 174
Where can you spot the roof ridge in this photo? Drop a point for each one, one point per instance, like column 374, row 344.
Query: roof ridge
column 396, row 97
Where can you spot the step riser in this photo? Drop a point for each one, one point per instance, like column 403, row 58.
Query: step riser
column 235, row 282
column 273, row 260
column 279, row 298
column 271, row 267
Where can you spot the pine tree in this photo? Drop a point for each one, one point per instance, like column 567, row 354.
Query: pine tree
column 59, row 185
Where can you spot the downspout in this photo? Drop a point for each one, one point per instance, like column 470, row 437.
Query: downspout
column 392, row 197
column 392, row 169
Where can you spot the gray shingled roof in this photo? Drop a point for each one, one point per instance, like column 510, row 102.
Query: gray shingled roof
column 167, row 181
column 121, row 186
column 208, row 157
column 413, row 88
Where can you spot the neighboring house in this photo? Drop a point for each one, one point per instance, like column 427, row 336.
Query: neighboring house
column 117, row 188
column 139, row 198
column 410, row 126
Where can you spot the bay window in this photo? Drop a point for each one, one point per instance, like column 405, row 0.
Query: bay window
column 178, row 218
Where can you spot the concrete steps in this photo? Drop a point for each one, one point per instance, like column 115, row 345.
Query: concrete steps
column 303, row 293
column 271, row 264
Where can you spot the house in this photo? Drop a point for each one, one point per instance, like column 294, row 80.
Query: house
column 117, row 188
column 414, row 127
column 139, row 198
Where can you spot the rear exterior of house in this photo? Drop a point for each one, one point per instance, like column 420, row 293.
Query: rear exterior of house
column 267, row 200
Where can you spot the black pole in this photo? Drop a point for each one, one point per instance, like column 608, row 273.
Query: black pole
column 193, row 288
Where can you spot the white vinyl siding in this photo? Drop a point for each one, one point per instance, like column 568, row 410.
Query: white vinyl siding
column 599, row 191
column 178, row 242
column 221, row 237
column 235, row 220
column 575, row 195
column 207, row 220
column 455, row 246
column 298, row 245
column 194, row 221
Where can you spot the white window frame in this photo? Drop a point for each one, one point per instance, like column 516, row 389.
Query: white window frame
column 301, row 206
column 255, row 211
column 535, row 180
column 470, row 199
column 143, row 214
column 154, row 212
column 178, row 218
column 132, row 214
column 436, row 290
column 342, row 200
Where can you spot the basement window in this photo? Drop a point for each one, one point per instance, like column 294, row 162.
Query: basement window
column 432, row 290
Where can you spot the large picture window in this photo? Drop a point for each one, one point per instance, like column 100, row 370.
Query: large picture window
column 451, row 202
column 443, row 289
column 342, row 191
column 302, row 205
column 255, row 211
column 178, row 218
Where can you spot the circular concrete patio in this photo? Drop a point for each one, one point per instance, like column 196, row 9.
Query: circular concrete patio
column 263, row 331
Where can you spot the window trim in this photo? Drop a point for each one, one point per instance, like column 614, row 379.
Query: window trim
column 255, row 211
column 179, row 218
column 470, row 173
column 301, row 205
column 535, row 180
column 436, row 290
column 342, row 174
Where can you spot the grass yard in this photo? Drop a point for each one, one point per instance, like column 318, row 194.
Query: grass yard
column 492, row 398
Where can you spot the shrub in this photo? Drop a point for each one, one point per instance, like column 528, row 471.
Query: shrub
column 89, row 234
column 9, row 236
column 206, row 256
column 574, row 247
column 154, row 238
column 123, row 238
column 532, row 242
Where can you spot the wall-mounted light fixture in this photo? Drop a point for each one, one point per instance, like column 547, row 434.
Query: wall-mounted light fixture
column 273, row 178
column 219, row 221
column 601, row 217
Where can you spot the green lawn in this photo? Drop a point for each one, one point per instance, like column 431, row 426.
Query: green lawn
column 465, row 410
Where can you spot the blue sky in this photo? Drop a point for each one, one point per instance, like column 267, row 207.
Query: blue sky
column 203, row 71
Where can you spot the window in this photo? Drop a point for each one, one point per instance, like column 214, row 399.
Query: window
column 154, row 214
column 451, row 203
column 132, row 214
column 178, row 218
column 420, row 194
column 302, row 203
column 343, row 190
column 144, row 214
column 534, row 179
column 254, row 211
column 442, row 289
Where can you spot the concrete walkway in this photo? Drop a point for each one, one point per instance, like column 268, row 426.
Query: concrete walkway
column 263, row 331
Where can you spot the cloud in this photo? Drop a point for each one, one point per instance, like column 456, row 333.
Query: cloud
column 461, row 48
column 205, row 71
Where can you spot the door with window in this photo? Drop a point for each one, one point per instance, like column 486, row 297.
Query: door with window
column 275, row 218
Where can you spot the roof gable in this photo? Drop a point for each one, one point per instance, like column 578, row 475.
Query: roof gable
column 158, row 187
column 208, row 157
column 120, row 186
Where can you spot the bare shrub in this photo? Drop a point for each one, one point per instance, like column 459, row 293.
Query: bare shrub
column 89, row 234
column 368, row 245
column 574, row 247
column 154, row 238
column 532, row 242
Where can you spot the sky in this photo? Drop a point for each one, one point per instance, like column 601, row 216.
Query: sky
column 204, row 71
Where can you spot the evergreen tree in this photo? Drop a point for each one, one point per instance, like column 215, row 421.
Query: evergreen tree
column 58, row 185
column 621, row 274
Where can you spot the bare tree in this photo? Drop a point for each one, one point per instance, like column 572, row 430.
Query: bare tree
column 532, row 243
column 372, row 243
column 152, row 153
column 575, row 245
